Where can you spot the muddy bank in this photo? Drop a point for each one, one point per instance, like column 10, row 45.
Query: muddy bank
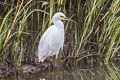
column 47, row 66
column 82, row 62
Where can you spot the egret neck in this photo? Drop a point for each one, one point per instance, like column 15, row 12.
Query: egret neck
column 59, row 24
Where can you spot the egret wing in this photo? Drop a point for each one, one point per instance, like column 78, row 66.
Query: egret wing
column 45, row 35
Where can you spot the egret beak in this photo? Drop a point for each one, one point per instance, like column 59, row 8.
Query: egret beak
column 69, row 19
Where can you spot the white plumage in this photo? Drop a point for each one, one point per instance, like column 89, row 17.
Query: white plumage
column 53, row 38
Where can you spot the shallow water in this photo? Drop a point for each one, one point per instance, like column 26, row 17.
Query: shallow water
column 98, row 71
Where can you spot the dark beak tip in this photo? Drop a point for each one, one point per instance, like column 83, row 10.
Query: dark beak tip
column 72, row 20
column 69, row 19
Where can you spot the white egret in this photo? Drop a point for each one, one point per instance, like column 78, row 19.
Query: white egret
column 53, row 38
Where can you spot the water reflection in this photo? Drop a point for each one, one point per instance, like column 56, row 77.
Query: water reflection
column 97, row 72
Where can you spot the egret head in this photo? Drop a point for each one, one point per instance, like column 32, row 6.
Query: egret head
column 60, row 16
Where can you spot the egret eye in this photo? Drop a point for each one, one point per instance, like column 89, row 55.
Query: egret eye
column 62, row 16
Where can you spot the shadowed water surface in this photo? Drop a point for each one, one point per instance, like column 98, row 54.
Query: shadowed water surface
column 99, row 71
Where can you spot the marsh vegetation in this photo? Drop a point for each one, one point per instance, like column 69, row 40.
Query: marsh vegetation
column 95, row 36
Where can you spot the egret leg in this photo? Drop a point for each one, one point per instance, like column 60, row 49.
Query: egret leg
column 52, row 62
